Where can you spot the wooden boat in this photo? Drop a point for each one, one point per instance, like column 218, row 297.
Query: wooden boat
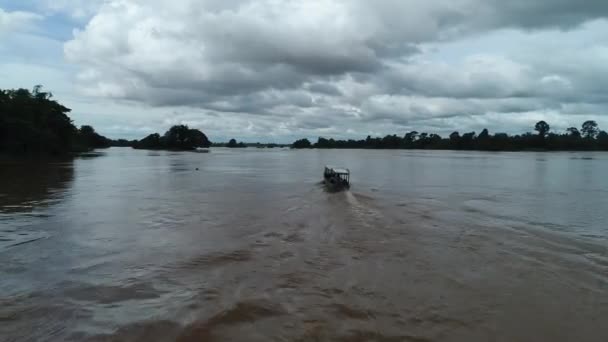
column 336, row 178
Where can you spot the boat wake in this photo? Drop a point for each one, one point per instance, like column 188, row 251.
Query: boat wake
column 363, row 213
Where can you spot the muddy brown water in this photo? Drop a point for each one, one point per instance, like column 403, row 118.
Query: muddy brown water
column 426, row 246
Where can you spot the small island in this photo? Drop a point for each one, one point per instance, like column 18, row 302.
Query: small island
column 177, row 138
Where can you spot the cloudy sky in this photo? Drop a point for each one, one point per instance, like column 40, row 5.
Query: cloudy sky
column 275, row 70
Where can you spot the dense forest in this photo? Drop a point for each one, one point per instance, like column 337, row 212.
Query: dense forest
column 32, row 123
column 178, row 137
column 589, row 137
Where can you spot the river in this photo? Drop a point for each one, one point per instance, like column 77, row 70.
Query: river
column 245, row 245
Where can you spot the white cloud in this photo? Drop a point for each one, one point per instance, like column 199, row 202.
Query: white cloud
column 307, row 67
column 17, row 20
column 77, row 9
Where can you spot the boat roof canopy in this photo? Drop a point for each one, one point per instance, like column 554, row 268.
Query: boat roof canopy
column 338, row 170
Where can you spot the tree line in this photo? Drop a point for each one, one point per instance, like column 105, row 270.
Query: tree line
column 32, row 123
column 588, row 137
column 232, row 143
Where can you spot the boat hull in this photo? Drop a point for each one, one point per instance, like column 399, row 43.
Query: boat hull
column 335, row 184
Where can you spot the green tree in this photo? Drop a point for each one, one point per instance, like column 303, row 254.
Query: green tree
column 602, row 140
column 590, row 129
column 302, row 143
column 455, row 137
column 467, row 140
column 91, row 139
column 151, row 142
column 573, row 132
column 484, row 135
column 542, row 128
column 178, row 137
column 181, row 137
column 232, row 143
column 410, row 137
column 31, row 122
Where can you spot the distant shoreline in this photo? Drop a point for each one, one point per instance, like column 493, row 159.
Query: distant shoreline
column 445, row 149
column 588, row 138
column 36, row 125
column 369, row 149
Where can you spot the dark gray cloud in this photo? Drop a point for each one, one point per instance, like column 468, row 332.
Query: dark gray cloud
column 564, row 14
column 323, row 88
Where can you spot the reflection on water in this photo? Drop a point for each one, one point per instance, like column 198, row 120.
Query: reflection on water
column 25, row 186
column 26, row 189
column 245, row 245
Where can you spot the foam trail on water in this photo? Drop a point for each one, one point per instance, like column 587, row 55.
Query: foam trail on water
column 365, row 214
